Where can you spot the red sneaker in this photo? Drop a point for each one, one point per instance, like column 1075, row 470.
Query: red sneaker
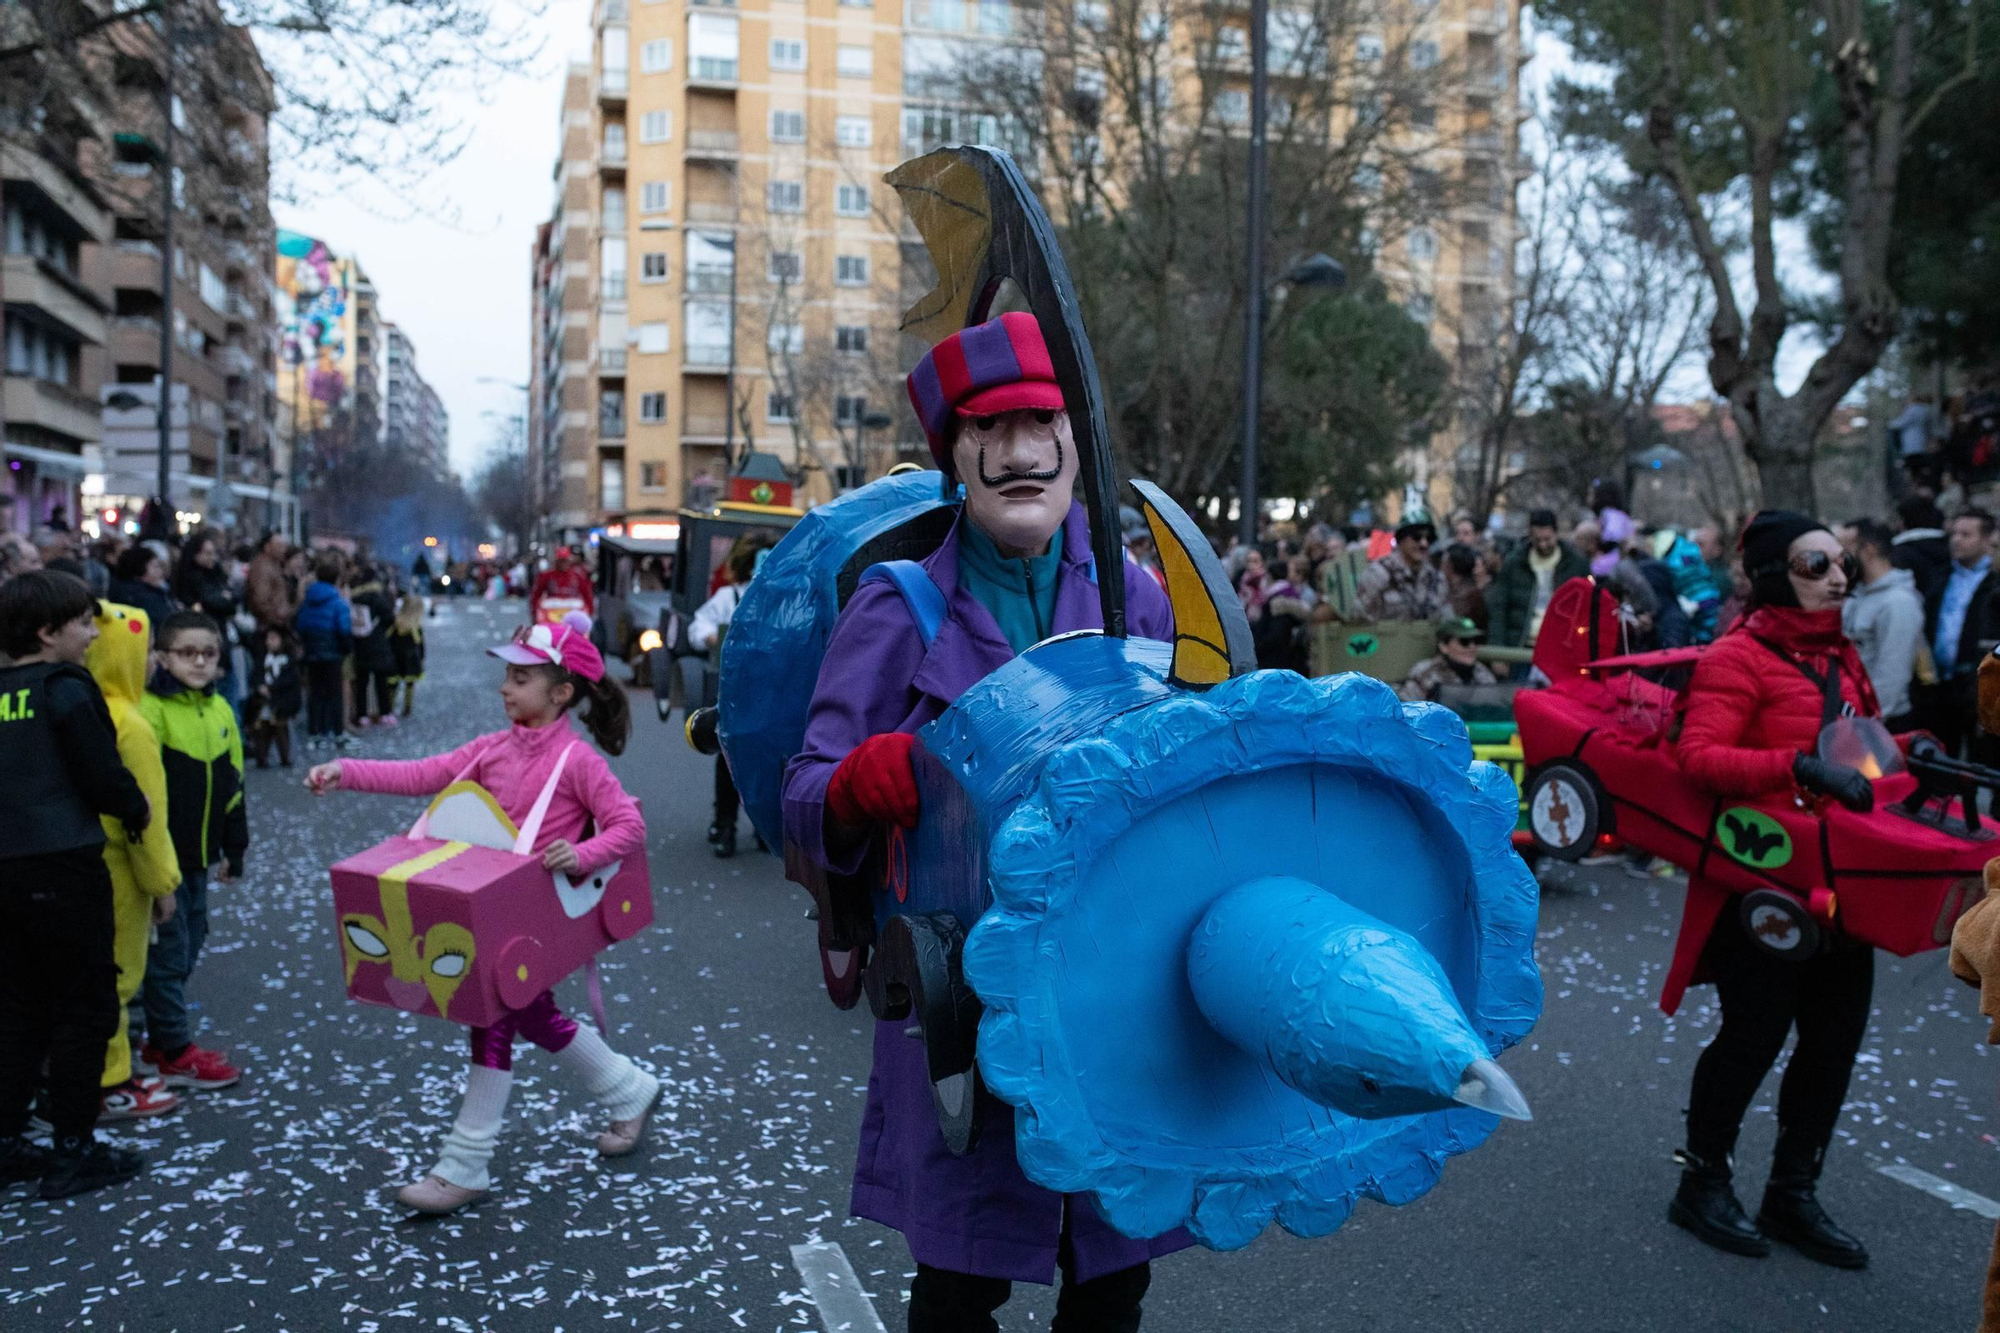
column 135, row 1099
column 195, row 1068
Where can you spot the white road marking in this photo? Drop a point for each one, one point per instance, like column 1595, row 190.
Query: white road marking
column 1955, row 1195
column 843, row 1306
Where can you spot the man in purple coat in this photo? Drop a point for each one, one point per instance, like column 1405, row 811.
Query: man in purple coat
column 1015, row 569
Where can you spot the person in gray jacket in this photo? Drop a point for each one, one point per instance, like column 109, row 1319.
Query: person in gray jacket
column 1884, row 616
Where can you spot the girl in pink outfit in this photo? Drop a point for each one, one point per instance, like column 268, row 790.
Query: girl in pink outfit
column 550, row 669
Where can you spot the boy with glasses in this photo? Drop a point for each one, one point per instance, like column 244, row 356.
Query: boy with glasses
column 202, row 751
column 1456, row 663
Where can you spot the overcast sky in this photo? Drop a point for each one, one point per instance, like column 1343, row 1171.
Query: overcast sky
column 461, row 290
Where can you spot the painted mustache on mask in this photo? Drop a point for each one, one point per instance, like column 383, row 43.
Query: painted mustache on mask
column 1009, row 478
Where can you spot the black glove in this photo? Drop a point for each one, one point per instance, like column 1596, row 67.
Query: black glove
column 1926, row 746
column 1842, row 783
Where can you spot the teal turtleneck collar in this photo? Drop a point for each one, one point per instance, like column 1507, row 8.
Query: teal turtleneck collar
column 1020, row 594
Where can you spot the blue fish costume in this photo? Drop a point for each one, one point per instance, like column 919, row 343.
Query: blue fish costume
column 1164, row 948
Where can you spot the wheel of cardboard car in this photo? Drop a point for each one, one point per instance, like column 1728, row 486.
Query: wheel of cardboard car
column 1779, row 924
column 1566, row 810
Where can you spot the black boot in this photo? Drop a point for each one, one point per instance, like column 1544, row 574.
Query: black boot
column 1791, row 1211
column 724, row 839
column 22, row 1159
column 81, row 1167
column 1706, row 1206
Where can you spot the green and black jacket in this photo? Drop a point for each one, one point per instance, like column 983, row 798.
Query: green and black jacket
column 203, row 754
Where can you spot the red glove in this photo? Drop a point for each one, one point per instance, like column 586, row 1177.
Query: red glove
column 875, row 784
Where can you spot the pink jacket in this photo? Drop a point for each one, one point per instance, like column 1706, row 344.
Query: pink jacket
column 514, row 765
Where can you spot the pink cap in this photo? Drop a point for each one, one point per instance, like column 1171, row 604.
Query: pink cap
column 566, row 645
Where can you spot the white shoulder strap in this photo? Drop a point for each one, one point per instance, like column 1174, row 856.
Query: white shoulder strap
column 531, row 828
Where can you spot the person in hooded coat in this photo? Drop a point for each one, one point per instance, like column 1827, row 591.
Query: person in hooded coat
column 144, row 870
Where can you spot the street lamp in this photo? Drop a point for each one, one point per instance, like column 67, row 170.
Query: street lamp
column 1316, row 270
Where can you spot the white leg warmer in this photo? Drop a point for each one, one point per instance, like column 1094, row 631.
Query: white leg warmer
column 469, row 1146
column 620, row 1086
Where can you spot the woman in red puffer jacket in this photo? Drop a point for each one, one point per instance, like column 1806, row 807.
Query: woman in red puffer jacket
column 1759, row 699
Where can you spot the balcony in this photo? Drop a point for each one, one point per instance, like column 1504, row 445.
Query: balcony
column 611, row 161
column 710, row 278
column 611, row 86
column 1482, row 143
column 59, row 296
column 716, row 72
column 1492, row 21
column 611, row 361
column 712, row 145
column 238, row 308
column 53, row 407
column 704, row 428
column 236, row 360
column 612, row 287
column 709, row 210
column 240, row 257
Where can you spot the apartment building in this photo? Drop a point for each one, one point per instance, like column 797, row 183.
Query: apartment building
column 568, row 469
column 215, row 339
column 724, row 267
column 54, row 325
column 333, row 362
column 722, row 210
column 413, row 416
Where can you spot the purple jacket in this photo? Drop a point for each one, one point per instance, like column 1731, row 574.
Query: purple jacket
column 975, row 1214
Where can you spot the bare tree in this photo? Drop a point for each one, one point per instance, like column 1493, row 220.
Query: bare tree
column 1138, row 154
column 356, row 87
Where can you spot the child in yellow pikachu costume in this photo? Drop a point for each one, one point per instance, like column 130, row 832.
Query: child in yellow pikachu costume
column 144, row 874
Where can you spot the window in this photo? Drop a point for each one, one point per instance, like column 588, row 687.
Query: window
column 653, row 266
column 1154, row 26
column 1090, row 81
column 614, row 210
column 850, row 270
column 788, row 127
column 851, row 201
column 1232, row 44
column 777, row 407
column 853, row 131
column 789, row 338
column 1423, row 55
column 849, row 409
column 1421, row 308
column 1368, row 178
column 654, row 338
column 784, row 266
column 1232, row 106
column 611, row 482
column 656, row 57
column 785, row 197
column 850, row 338
column 1424, row 116
column 614, row 141
column 656, row 127
column 653, row 476
column 859, row 4
column 855, row 62
column 652, row 408
column 712, row 47
column 653, row 197
column 1422, row 245
column 1368, row 49
column 611, row 265
column 1092, row 14
column 788, row 54
column 611, row 413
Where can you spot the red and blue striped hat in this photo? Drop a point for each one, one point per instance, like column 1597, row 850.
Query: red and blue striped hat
column 999, row 366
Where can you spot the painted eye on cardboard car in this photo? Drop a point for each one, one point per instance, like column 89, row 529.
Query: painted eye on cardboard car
column 448, row 965
column 366, row 940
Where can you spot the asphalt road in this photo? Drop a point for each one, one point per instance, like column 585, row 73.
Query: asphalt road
column 267, row 1206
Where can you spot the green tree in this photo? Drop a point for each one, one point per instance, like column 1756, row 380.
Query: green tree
column 1715, row 98
column 1351, row 383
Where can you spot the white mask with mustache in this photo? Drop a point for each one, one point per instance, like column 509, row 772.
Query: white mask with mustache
column 1019, row 470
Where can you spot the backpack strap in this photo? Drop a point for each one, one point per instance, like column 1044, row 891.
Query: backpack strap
column 921, row 594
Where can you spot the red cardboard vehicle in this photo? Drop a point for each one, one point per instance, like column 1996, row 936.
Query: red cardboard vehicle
column 1602, row 766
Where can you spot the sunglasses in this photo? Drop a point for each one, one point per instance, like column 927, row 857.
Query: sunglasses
column 1466, row 643
column 1816, row 565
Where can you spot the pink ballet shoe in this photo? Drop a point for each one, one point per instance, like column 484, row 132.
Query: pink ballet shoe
column 624, row 1135
column 437, row 1196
